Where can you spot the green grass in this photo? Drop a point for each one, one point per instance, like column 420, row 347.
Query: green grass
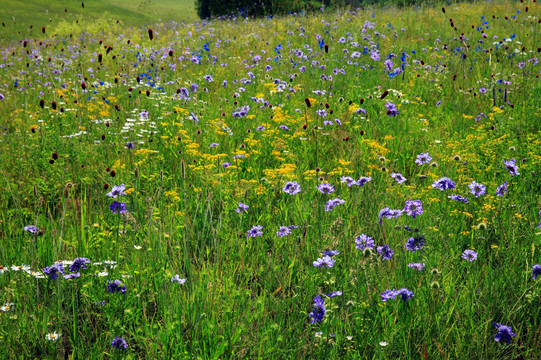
column 250, row 297
column 18, row 16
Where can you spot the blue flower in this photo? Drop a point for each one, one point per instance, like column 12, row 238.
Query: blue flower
column 325, row 261
column 119, row 343
column 255, row 231
column 116, row 286
column 319, row 310
column 505, row 333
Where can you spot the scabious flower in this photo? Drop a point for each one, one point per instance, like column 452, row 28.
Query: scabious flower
column 417, row 266
column 129, row 145
column 363, row 180
column 511, row 167
column 54, row 271
column 331, row 252
column 477, row 189
column 414, row 244
column 226, row 165
column 292, row 188
column 118, row 208
column 348, row 180
column 389, row 214
column 325, row 188
column 242, row 208
column 385, row 252
column 319, row 310
column 213, row 145
column 536, row 271
column 116, row 286
column 502, row 189
column 413, row 208
column 178, row 280
column 331, row 204
column 72, row 276
column 404, row 293
column 399, row 178
column 443, row 184
column 364, row 242
column 32, row 229
column 423, row 158
column 392, row 110
column 283, row 231
column 255, row 231
column 324, row 261
column 79, row 263
column 119, row 343
column 458, row 198
column 469, row 255
column 505, row 333
column 117, row 191
column 334, row 294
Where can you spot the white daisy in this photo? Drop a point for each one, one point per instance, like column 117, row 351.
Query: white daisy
column 53, row 336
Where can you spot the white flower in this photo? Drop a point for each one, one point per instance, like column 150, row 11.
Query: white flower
column 137, row 247
column 20, row 267
column 6, row 307
column 104, row 273
column 383, row 343
column 53, row 336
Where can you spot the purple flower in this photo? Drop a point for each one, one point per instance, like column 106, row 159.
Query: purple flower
column 505, row 333
column 399, row 178
column 331, row 252
column 502, row 189
column 319, row 310
column 242, row 208
column 477, row 189
column 483, row 90
column 324, row 261
column 331, row 204
column 423, row 158
column 385, row 252
column 404, row 293
column 255, row 231
column 283, row 231
column 54, row 271
column 469, row 255
column 129, row 145
column 443, row 184
column 511, row 167
column 349, row 181
column 413, row 208
column 364, row 242
column 260, row 128
column 363, row 180
column 388, row 64
column 79, row 263
column 292, row 188
column 226, row 165
column 178, row 280
column 72, row 276
column 208, row 78
column 325, row 188
column 414, row 244
column 536, row 270
column 118, row 190
column 213, row 145
column 119, row 343
column 458, row 198
column 116, row 286
column 334, row 294
column 118, row 208
column 391, row 109
column 417, row 266
column 32, row 229
column 389, row 214
column 283, row 127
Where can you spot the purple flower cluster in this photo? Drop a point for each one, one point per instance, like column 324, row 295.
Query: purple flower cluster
column 292, row 188
column 385, row 252
column 505, row 333
column 319, row 310
column 404, row 293
column 116, row 286
column 363, row 242
column 331, row 204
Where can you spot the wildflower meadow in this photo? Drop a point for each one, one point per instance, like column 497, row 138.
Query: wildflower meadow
column 348, row 183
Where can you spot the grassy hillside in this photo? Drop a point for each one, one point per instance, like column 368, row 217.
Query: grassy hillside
column 18, row 16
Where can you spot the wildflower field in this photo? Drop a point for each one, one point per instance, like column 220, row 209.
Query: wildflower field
column 345, row 184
